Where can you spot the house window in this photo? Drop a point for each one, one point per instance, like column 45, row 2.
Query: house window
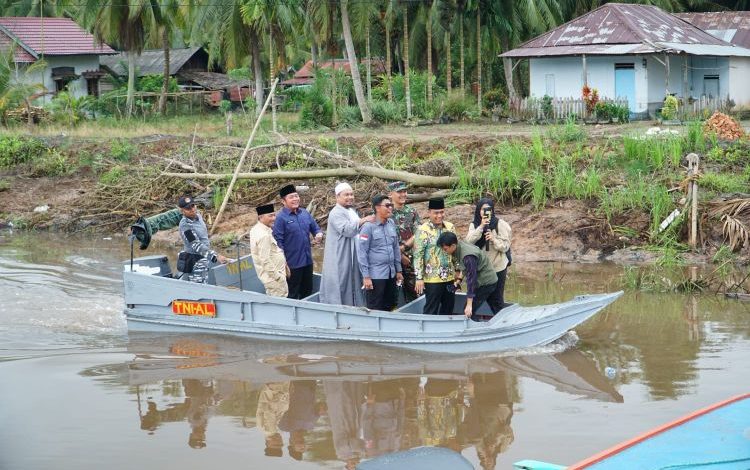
column 92, row 86
column 549, row 84
column 62, row 76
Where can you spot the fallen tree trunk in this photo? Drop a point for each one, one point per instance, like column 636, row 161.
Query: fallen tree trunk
column 394, row 175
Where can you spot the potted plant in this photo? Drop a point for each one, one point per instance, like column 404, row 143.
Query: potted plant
column 669, row 111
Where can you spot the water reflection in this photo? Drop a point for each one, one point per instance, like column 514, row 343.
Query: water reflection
column 338, row 402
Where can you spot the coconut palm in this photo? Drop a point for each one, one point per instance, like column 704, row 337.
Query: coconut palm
column 123, row 24
column 16, row 87
column 364, row 108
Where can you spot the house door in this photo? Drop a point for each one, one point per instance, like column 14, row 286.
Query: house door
column 625, row 83
column 711, row 86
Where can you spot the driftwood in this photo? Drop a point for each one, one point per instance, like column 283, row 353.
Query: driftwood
column 349, row 171
column 242, row 158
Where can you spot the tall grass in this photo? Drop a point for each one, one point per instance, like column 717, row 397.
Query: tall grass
column 695, row 139
column 537, row 191
column 564, row 178
column 591, row 185
column 567, row 132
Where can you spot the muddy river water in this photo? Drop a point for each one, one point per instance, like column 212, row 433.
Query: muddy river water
column 79, row 393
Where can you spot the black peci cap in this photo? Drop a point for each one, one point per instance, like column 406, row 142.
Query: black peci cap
column 436, row 203
column 264, row 209
column 287, row 190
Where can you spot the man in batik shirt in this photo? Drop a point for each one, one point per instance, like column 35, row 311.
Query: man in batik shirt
column 434, row 269
column 407, row 221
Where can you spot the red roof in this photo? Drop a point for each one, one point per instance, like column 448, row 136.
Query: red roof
column 21, row 54
column 51, row 36
column 308, row 71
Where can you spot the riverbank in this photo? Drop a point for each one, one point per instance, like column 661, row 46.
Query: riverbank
column 570, row 192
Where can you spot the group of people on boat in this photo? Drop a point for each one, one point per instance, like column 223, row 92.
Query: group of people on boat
column 367, row 260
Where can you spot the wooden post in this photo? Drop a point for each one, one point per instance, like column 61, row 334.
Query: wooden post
column 666, row 74
column 242, row 158
column 685, row 89
column 693, row 161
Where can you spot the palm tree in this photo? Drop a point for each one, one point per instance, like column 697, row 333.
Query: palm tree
column 407, row 88
column 364, row 109
column 447, row 15
column 170, row 19
column 16, row 85
column 363, row 15
column 426, row 12
column 124, row 24
column 387, row 15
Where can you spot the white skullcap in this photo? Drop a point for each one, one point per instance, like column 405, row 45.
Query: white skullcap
column 342, row 187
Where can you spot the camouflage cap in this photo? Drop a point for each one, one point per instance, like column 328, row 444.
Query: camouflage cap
column 397, row 186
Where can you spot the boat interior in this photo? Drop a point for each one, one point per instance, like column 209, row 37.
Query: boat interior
column 241, row 275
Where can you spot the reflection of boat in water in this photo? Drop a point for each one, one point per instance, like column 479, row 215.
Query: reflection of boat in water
column 160, row 357
column 361, row 405
column 715, row 437
column 155, row 301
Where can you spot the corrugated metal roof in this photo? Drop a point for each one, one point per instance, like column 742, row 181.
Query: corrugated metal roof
column 213, row 80
column 731, row 26
column 708, row 49
column 616, row 28
column 150, row 62
column 53, row 36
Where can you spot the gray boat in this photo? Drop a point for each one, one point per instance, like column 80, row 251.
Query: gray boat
column 234, row 302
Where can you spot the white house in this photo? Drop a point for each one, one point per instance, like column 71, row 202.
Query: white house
column 635, row 52
column 71, row 54
column 734, row 28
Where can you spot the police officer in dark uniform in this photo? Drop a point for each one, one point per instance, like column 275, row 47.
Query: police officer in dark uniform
column 194, row 235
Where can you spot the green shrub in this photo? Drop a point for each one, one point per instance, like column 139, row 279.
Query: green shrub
column 317, row 110
column 154, row 83
column 495, row 98
column 388, row 112
column 350, row 116
column 51, row 163
column 669, row 110
column 112, row 176
column 457, row 106
column 225, row 106
column 122, row 150
column 17, row 150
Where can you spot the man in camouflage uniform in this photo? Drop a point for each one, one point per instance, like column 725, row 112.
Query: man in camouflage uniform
column 194, row 234
column 407, row 221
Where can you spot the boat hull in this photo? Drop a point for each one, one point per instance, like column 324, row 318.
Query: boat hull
column 150, row 301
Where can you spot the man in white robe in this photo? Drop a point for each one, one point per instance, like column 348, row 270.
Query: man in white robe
column 341, row 280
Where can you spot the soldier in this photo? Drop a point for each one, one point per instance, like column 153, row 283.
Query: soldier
column 434, row 269
column 194, row 234
column 270, row 264
column 407, row 220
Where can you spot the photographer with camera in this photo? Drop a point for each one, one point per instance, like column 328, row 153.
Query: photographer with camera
column 492, row 235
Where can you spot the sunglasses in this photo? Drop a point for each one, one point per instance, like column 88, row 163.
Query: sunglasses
column 189, row 207
column 388, row 206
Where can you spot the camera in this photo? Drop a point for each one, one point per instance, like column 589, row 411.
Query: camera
column 487, row 212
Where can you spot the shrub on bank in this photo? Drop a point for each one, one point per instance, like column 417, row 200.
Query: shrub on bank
column 16, row 150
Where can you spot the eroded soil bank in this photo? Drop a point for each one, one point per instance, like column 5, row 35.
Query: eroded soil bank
column 108, row 183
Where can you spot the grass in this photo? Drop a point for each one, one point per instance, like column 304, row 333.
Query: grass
column 724, row 182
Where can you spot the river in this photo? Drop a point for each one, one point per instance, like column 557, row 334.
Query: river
column 79, row 393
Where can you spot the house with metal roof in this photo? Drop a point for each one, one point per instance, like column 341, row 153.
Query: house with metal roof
column 151, row 62
column 70, row 53
column 635, row 52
